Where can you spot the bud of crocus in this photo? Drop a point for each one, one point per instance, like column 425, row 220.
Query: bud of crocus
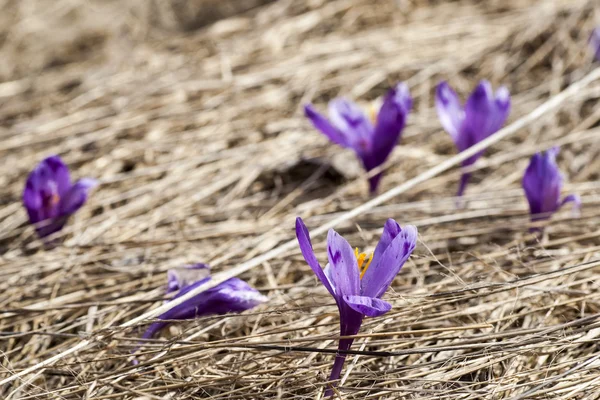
column 543, row 183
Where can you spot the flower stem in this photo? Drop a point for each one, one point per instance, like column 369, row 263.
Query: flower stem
column 340, row 358
column 464, row 179
column 374, row 183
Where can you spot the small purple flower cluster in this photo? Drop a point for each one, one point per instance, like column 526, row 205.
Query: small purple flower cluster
column 358, row 282
column 483, row 114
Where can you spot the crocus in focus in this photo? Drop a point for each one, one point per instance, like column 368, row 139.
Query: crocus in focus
column 355, row 281
column 50, row 197
column 483, row 114
column 232, row 296
column 595, row 42
column 372, row 139
column 542, row 183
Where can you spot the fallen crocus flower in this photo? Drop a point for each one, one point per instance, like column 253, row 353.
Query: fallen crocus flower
column 232, row 296
column 595, row 42
column 483, row 114
column 543, row 183
column 355, row 281
column 49, row 196
column 348, row 126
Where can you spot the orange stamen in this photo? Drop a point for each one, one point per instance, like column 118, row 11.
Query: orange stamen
column 373, row 113
column 362, row 265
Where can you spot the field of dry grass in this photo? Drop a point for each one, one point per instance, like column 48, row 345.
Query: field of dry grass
column 203, row 154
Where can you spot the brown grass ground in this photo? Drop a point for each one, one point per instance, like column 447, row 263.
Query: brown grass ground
column 204, row 156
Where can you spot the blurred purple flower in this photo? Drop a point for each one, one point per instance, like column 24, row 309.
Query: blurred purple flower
column 595, row 42
column 49, row 196
column 483, row 115
column 355, row 282
column 348, row 126
column 232, row 296
column 542, row 183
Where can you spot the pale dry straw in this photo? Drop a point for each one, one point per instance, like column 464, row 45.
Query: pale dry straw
column 204, row 156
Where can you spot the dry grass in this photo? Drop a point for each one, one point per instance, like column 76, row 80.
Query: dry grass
column 204, row 156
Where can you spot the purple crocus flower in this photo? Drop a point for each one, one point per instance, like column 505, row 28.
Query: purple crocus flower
column 232, row 296
column 50, row 197
column 483, row 114
column 542, row 183
column 355, row 282
column 595, row 42
column 348, row 126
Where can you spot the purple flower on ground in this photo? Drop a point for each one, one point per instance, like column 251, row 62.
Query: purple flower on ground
column 232, row 296
column 50, row 197
column 542, row 183
column 355, row 282
column 595, row 42
column 483, row 115
column 372, row 139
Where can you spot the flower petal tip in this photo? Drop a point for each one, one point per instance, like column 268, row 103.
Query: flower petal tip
column 368, row 306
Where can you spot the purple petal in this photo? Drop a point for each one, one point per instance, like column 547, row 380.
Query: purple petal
column 33, row 201
column 231, row 296
column 327, row 272
column 60, row 173
column 309, row 255
column 542, row 183
column 391, row 120
column 379, row 276
column 76, row 196
column 575, row 199
column 369, row 306
column 344, row 267
column 502, row 109
column 484, row 112
column 323, row 125
column 180, row 277
column 350, row 119
column 595, row 42
column 391, row 229
column 449, row 110
column 478, row 111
